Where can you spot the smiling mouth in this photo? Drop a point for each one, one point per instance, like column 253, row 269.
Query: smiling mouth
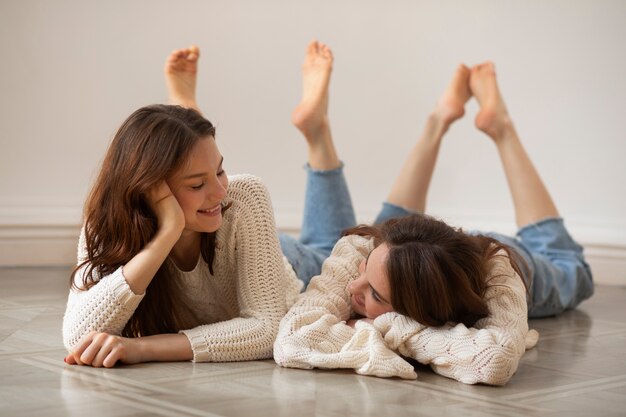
column 213, row 211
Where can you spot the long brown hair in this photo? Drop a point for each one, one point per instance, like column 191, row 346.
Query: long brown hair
column 437, row 273
column 152, row 144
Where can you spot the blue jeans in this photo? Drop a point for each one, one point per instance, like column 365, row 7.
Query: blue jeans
column 328, row 211
column 557, row 276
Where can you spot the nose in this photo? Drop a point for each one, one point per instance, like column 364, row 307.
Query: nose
column 216, row 191
column 356, row 286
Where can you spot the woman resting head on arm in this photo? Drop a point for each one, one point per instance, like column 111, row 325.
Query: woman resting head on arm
column 175, row 262
column 148, row 164
column 425, row 269
column 413, row 286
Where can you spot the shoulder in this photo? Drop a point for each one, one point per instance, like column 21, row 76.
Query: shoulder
column 355, row 244
column 249, row 207
column 247, row 195
column 501, row 272
column 348, row 252
column 245, row 186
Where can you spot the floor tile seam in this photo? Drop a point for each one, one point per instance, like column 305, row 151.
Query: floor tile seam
column 29, row 353
column 86, row 373
column 529, row 395
column 466, row 396
column 581, row 333
column 9, row 302
column 564, row 394
column 25, row 335
column 162, row 404
column 561, row 372
column 574, row 373
column 36, row 309
column 50, row 303
column 209, row 377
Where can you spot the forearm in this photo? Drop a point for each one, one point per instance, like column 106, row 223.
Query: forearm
column 106, row 307
column 140, row 270
column 165, row 348
column 468, row 355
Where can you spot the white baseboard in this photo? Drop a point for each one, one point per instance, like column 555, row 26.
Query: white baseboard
column 38, row 245
column 54, row 244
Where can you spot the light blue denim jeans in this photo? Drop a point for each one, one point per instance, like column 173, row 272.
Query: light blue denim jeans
column 557, row 276
column 328, row 211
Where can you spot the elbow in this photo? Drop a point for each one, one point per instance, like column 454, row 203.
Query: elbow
column 500, row 368
column 279, row 354
column 285, row 351
column 266, row 339
column 70, row 336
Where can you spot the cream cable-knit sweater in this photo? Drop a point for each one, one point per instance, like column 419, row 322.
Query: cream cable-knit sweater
column 238, row 309
column 314, row 332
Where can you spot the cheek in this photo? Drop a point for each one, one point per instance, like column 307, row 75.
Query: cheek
column 375, row 309
column 189, row 202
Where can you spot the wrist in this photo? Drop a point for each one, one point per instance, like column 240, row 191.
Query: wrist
column 169, row 233
column 142, row 347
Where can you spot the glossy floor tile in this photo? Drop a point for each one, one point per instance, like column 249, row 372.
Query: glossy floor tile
column 577, row 369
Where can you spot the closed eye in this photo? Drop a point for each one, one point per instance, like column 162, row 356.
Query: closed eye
column 375, row 296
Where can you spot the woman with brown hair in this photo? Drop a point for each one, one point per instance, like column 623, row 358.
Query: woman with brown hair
column 413, row 286
column 177, row 261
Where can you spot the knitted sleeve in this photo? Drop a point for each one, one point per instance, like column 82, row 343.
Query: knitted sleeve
column 487, row 353
column 261, row 281
column 105, row 307
column 314, row 332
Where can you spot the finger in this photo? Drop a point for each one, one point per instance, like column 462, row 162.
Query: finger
column 101, row 356
column 81, row 346
column 92, row 350
column 112, row 358
column 69, row 359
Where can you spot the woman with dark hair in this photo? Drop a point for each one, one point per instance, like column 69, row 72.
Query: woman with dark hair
column 177, row 261
column 413, row 286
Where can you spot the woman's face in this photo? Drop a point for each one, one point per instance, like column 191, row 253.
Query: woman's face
column 200, row 186
column 370, row 292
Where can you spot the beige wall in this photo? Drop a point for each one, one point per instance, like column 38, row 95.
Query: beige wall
column 73, row 70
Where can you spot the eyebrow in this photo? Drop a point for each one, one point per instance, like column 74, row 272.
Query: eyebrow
column 203, row 174
column 370, row 285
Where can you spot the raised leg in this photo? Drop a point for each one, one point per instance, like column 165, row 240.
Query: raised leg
column 328, row 207
column 311, row 115
column 531, row 199
column 410, row 188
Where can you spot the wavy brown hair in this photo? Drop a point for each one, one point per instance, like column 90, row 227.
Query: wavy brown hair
column 437, row 273
column 152, row 144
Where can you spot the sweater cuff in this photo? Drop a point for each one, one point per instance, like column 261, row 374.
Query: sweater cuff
column 121, row 290
column 198, row 345
column 396, row 328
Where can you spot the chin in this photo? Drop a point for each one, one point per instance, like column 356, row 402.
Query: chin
column 210, row 227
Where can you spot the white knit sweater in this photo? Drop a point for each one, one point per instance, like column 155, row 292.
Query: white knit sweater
column 238, row 309
column 314, row 332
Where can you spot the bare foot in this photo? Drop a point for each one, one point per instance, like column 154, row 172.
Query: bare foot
column 311, row 115
column 493, row 117
column 451, row 105
column 180, row 70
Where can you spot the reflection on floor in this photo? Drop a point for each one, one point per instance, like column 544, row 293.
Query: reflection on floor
column 578, row 368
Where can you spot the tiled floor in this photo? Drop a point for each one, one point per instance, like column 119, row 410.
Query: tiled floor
column 577, row 369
